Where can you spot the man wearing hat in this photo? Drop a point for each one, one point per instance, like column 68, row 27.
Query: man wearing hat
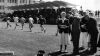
column 75, row 32
column 93, row 32
column 63, row 26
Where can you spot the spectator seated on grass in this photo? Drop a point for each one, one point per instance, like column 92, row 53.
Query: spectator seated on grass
column 40, row 53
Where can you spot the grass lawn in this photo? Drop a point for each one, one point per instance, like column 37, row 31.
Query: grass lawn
column 25, row 43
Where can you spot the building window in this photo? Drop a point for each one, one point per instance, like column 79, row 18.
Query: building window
column 1, row 7
column 15, row 1
column 1, row 0
column 29, row 1
column 10, row 1
column 22, row 1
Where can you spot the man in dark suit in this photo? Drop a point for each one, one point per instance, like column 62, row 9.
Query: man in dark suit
column 75, row 32
column 93, row 32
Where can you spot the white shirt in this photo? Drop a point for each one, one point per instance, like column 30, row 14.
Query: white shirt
column 16, row 19
column 31, row 20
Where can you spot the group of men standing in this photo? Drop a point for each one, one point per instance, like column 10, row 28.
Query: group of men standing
column 79, row 27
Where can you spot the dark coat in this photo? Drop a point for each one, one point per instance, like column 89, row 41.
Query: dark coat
column 75, row 29
column 84, row 22
column 76, row 25
column 92, row 26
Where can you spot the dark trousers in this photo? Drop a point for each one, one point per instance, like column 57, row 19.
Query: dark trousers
column 75, row 39
column 99, row 42
column 93, row 42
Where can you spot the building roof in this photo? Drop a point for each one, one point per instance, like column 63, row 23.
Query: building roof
column 41, row 5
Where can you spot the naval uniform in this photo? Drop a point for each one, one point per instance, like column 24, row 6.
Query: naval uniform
column 83, row 42
column 63, row 28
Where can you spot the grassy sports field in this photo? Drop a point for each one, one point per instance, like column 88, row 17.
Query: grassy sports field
column 25, row 43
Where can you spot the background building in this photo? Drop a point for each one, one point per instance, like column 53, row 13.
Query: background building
column 5, row 3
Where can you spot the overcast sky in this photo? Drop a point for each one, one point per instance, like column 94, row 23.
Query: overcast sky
column 86, row 4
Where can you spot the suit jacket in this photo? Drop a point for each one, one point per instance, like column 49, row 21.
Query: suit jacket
column 75, row 29
column 84, row 22
column 92, row 26
column 76, row 25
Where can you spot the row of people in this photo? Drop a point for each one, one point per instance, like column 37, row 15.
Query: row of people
column 40, row 20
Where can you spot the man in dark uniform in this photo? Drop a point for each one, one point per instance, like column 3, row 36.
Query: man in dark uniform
column 22, row 20
column 75, row 32
column 8, row 21
column 84, row 34
column 63, row 28
column 93, row 31
column 42, row 21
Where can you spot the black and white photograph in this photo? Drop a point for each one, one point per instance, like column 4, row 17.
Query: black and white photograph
column 49, row 27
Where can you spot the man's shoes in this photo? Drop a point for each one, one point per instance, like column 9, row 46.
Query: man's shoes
column 10, row 25
column 66, row 51
column 44, row 31
column 87, row 52
column 81, row 48
column 56, row 34
column 75, row 53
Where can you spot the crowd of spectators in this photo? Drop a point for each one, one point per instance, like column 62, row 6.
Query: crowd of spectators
column 49, row 14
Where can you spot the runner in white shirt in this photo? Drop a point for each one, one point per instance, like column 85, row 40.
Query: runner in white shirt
column 16, row 19
column 31, row 21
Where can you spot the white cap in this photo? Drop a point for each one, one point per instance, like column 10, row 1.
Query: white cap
column 63, row 13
